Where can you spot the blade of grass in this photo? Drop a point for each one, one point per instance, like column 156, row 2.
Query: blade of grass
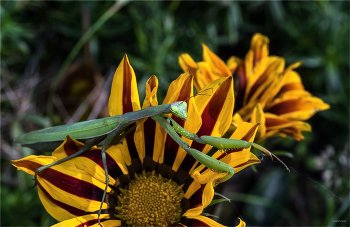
column 110, row 12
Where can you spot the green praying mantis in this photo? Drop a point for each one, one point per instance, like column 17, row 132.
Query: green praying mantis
column 111, row 131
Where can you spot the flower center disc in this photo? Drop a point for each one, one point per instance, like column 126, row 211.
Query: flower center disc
column 150, row 201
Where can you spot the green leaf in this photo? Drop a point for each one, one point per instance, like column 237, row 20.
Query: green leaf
column 215, row 201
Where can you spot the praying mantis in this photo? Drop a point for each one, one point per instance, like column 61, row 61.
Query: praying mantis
column 110, row 131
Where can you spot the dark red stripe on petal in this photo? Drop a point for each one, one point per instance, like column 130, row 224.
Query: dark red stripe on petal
column 287, row 106
column 182, row 177
column 272, row 122
column 212, row 111
column 247, row 163
column 263, row 78
column 242, row 83
column 196, row 199
column 127, row 76
column 149, row 134
column 209, row 116
column 136, row 162
column 71, row 184
column 28, row 165
column 70, row 147
column 291, row 87
column 65, row 182
column 72, row 210
column 250, row 133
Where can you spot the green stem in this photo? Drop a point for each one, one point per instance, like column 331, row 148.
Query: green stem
column 110, row 12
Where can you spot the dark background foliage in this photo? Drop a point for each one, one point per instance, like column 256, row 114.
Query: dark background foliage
column 37, row 37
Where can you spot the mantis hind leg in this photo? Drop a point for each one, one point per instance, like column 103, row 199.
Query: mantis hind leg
column 88, row 144
column 109, row 140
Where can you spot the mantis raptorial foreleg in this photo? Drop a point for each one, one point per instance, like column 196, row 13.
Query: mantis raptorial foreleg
column 172, row 129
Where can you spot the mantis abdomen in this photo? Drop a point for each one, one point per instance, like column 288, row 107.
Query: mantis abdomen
column 49, row 139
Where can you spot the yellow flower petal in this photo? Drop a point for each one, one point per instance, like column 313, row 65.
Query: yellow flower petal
column 233, row 63
column 241, row 223
column 208, row 193
column 150, row 100
column 258, row 116
column 259, row 44
column 218, row 67
column 187, row 64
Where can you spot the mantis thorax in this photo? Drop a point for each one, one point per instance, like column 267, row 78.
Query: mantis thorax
column 179, row 109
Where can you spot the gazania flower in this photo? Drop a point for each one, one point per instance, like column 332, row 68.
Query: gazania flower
column 153, row 182
column 268, row 93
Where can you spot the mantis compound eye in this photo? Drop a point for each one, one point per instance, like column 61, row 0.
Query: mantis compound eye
column 179, row 109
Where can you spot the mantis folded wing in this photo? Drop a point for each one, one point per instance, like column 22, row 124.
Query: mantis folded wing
column 111, row 130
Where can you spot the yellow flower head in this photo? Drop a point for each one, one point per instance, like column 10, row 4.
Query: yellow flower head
column 153, row 181
column 268, row 93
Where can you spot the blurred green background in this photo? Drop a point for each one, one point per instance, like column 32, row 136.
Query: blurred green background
column 38, row 36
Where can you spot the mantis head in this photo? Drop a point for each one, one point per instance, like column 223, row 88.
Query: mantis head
column 179, row 109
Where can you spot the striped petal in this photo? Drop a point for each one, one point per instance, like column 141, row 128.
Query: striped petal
column 124, row 98
column 65, row 183
column 260, row 80
column 280, row 126
column 75, row 187
column 124, row 94
column 57, row 209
